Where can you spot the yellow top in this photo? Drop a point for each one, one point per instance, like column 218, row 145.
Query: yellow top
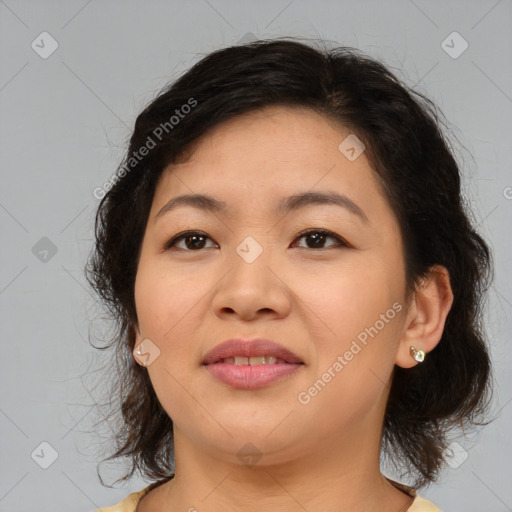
column 129, row 504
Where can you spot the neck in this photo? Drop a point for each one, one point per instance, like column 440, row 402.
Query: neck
column 347, row 475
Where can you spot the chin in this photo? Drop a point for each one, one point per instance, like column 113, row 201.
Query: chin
column 250, row 450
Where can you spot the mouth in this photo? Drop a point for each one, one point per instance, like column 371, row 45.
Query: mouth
column 252, row 361
column 252, row 364
column 255, row 352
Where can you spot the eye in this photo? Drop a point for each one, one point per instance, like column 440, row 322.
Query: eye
column 196, row 239
column 318, row 236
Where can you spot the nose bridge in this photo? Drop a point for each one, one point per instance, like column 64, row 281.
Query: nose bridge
column 250, row 250
column 253, row 234
column 250, row 285
column 250, row 262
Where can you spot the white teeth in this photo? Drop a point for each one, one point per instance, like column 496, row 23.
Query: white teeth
column 252, row 361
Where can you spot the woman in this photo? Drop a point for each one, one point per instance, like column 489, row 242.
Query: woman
column 297, row 287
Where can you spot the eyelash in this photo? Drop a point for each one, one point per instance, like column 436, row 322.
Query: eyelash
column 190, row 234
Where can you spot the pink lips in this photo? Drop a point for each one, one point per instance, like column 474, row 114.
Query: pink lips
column 246, row 376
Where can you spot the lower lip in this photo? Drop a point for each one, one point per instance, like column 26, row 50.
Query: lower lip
column 250, row 377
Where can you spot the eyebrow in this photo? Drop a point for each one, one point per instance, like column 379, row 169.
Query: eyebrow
column 284, row 205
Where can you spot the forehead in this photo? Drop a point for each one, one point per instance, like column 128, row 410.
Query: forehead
column 279, row 133
column 253, row 160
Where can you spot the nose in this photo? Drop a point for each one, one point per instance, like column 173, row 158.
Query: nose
column 253, row 286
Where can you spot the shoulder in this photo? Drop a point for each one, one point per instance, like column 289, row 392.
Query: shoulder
column 419, row 504
column 129, row 504
column 422, row 505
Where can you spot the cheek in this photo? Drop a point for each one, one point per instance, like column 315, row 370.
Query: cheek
column 356, row 354
column 165, row 308
column 355, row 348
column 352, row 301
column 163, row 297
column 171, row 312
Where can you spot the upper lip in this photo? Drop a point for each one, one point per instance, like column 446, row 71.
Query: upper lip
column 252, row 348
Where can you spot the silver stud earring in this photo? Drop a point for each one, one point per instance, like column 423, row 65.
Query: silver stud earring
column 418, row 355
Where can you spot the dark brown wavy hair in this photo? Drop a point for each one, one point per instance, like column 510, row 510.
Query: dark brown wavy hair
column 412, row 160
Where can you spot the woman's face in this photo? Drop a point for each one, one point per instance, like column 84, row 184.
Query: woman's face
column 336, row 303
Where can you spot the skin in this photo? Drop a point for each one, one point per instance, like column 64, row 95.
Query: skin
column 323, row 455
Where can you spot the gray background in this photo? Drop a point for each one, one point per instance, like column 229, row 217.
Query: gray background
column 65, row 120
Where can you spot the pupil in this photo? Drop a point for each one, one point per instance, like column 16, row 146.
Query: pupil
column 317, row 236
column 195, row 238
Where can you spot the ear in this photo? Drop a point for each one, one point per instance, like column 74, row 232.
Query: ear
column 429, row 306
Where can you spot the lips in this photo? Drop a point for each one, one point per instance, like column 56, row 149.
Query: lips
column 249, row 365
column 253, row 348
